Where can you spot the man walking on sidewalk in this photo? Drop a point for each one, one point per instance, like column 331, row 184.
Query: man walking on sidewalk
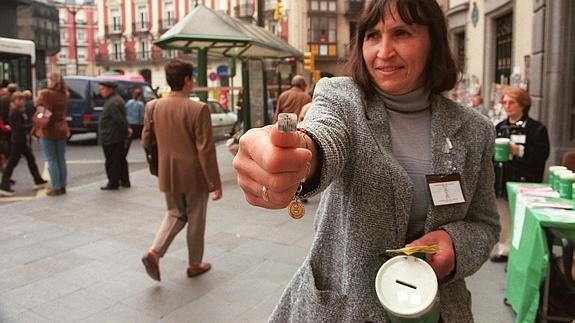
column 188, row 167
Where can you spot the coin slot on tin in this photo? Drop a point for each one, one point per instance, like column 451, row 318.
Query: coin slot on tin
column 405, row 284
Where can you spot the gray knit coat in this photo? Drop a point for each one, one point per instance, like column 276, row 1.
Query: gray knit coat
column 365, row 205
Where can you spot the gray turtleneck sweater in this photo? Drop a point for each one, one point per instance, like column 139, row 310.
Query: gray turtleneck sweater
column 410, row 126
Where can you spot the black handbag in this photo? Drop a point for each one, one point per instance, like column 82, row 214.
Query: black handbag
column 152, row 152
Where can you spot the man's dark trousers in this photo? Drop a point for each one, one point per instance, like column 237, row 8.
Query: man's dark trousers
column 116, row 164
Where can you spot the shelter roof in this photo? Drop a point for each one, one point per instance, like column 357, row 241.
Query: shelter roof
column 205, row 28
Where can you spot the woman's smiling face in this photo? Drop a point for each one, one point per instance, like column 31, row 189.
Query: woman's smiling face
column 396, row 54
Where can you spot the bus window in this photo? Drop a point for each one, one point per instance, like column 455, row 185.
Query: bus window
column 17, row 61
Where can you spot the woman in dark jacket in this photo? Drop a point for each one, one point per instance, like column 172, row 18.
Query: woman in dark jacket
column 529, row 148
column 54, row 137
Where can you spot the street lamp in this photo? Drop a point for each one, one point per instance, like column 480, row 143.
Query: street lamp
column 73, row 9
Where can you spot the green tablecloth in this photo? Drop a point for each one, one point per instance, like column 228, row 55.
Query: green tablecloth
column 528, row 255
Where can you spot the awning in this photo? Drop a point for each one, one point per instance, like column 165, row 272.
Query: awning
column 205, row 28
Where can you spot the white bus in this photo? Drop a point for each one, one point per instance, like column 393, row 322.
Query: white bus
column 18, row 62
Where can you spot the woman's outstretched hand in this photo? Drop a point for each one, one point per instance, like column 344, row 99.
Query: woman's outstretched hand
column 270, row 165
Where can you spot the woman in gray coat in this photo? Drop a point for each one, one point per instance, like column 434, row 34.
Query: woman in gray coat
column 373, row 143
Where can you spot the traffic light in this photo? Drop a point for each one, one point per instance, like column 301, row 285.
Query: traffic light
column 308, row 62
column 278, row 10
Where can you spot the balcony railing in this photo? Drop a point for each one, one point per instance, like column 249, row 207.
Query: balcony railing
column 143, row 55
column 166, row 24
column 110, row 58
column 114, row 29
column 146, row 56
column 141, row 26
column 170, row 53
column 244, row 10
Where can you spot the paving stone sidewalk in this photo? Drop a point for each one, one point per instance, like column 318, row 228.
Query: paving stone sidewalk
column 76, row 258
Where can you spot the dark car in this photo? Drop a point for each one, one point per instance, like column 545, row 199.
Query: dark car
column 86, row 104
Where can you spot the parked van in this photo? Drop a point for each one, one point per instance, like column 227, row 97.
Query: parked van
column 86, row 104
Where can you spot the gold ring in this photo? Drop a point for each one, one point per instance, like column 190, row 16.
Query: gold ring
column 265, row 195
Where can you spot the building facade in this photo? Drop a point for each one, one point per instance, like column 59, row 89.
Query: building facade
column 127, row 29
column 78, row 29
column 522, row 43
column 553, row 77
column 324, row 28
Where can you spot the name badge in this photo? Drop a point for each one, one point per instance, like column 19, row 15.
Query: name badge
column 518, row 139
column 445, row 189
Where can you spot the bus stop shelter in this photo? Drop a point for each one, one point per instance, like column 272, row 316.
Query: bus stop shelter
column 206, row 30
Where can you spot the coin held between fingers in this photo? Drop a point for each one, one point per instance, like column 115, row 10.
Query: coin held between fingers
column 287, row 122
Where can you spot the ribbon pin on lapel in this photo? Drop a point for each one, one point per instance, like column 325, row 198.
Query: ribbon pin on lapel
column 448, row 146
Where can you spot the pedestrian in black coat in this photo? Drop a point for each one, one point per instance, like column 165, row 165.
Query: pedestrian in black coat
column 113, row 132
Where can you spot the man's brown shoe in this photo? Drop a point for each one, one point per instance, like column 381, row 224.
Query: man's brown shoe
column 152, row 263
column 197, row 270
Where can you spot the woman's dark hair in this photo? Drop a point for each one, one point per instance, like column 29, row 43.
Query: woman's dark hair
column 176, row 71
column 440, row 71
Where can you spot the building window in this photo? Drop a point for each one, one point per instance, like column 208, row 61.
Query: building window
column 62, row 55
column 82, row 54
column 245, row 9
column 142, row 20
column 81, row 36
column 115, row 20
column 80, row 17
column 168, row 9
column 143, row 52
column 62, row 15
column 323, row 34
column 323, row 5
column 116, row 52
column 63, row 70
column 503, row 47
column 460, row 51
column 170, row 53
column 169, row 15
column 81, row 71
